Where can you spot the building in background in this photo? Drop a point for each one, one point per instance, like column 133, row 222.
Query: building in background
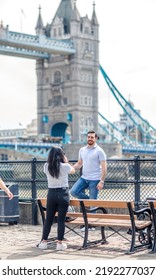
column 20, row 134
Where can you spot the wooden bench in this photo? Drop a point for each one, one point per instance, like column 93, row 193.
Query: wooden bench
column 152, row 205
column 86, row 216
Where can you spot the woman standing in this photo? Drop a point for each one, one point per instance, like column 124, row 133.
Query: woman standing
column 56, row 169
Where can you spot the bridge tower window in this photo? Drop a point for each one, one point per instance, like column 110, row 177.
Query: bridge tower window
column 57, row 77
column 54, row 32
column 59, row 31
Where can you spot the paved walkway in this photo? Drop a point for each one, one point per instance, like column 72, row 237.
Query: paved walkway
column 19, row 242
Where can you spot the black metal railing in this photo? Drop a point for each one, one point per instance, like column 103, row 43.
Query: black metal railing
column 127, row 179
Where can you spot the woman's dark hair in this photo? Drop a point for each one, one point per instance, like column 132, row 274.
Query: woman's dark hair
column 56, row 155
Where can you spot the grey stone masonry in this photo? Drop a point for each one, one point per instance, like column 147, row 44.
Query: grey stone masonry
column 67, row 86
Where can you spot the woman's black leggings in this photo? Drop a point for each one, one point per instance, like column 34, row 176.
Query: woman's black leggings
column 57, row 201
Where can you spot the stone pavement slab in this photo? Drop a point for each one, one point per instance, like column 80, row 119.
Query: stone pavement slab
column 19, row 242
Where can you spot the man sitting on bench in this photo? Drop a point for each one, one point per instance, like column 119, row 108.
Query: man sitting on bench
column 92, row 159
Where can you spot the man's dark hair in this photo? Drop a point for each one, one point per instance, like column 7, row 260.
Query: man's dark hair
column 92, row 131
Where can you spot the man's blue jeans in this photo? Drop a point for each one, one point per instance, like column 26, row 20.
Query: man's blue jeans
column 78, row 189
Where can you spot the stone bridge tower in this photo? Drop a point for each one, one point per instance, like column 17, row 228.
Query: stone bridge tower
column 67, row 86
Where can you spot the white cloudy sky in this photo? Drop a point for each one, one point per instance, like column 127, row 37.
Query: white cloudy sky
column 127, row 53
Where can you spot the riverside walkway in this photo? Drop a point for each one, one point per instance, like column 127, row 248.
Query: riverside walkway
column 19, row 242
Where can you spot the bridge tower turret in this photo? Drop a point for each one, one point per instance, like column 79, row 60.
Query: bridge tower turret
column 67, row 86
column 39, row 26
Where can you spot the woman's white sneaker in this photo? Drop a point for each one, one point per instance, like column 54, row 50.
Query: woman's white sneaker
column 43, row 245
column 61, row 246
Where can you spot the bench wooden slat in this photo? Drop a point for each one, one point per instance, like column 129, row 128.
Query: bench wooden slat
column 73, row 202
column 99, row 215
column 154, row 202
column 93, row 203
column 105, row 203
column 43, row 201
column 110, row 222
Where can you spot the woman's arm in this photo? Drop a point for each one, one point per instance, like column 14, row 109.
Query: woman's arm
column 5, row 189
column 72, row 171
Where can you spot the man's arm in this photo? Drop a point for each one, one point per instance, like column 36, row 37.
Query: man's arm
column 103, row 174
column 103, row 170
column 78, row 164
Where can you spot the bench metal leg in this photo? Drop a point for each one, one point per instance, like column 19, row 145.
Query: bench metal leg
column 103, row 235
column 147, row 243
column 85, row 237
column 154, row 243
column 154, row 247
column 132, row 240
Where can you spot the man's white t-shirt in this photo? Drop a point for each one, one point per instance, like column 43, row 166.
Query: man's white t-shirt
column 91, row 157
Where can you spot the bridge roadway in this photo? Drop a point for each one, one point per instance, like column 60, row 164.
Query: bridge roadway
column 41, row 150
column 144, row 150
column 26, row 150
column 32, row 46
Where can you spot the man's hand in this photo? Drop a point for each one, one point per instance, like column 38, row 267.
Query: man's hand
column 100, row 185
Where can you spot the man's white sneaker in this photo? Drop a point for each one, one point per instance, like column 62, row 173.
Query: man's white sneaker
column 92, row 228
column 43, row 245
column 89, row 228
column 61, row 247
column 82, row 228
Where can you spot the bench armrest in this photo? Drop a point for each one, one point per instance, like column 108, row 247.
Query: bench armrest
column 144, row 211
column 91, row 210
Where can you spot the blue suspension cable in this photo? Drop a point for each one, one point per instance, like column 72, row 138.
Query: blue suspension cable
column 113, row 89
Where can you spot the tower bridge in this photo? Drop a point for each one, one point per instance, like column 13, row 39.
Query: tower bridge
column 67, row 66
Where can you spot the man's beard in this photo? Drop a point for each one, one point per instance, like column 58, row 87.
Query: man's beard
column 90, row 142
